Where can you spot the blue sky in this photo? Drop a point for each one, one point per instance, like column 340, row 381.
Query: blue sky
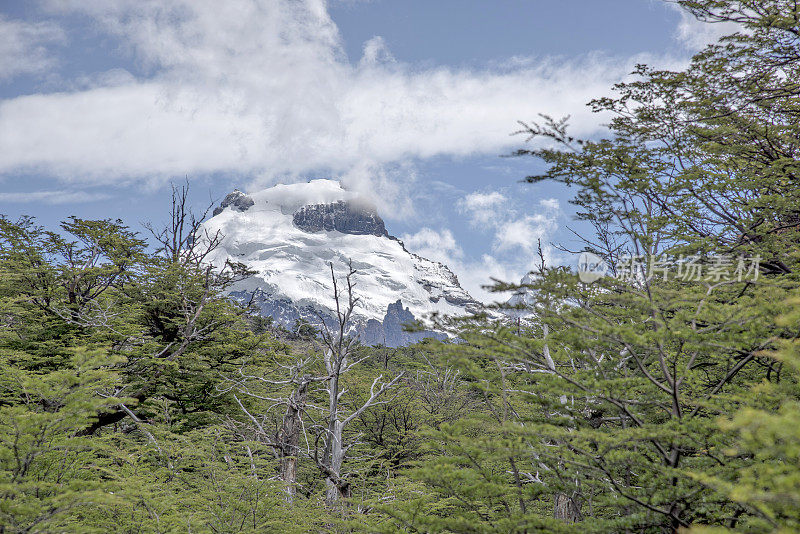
column 104, row 103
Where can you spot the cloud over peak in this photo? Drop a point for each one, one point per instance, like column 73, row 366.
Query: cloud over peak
column 263, row 88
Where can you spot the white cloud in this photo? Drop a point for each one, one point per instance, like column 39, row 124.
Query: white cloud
column 696, row 34
column 482, row 208
column 53, row 197
column 263, row 88
column 390, row 186
column 23, row 46
column 434, row 245
column 550, row 204
column 376, row 51
column 524, row 233
column 441, row 246
column 512, row 230
column 515, row 243
column 474, row 274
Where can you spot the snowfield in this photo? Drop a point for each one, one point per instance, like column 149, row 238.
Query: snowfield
column 293, row 264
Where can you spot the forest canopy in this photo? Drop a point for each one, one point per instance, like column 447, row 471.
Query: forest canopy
column 135, row 396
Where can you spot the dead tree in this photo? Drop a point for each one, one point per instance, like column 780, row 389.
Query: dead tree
column 285, row 440
column 567, row 508
column 337, row 348
column 292, row 394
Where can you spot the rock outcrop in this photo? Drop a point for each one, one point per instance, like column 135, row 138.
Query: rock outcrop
column 341, row 216
column 236, row 200
column 392, row 331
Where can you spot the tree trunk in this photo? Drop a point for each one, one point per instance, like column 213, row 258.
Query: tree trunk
column 566, row 508
column 289, row 439
column 336, row 490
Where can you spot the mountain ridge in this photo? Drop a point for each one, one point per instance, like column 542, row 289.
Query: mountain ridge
column 289, row 234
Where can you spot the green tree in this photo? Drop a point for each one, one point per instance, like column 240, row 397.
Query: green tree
column 766, row 432
column 46, row 470
column 606, row 406
column 99, row 334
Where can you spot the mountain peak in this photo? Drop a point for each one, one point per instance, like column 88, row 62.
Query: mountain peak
column 290, row 234
column 236, row 200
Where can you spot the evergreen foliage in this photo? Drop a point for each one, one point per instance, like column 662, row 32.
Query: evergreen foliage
column 136, row 397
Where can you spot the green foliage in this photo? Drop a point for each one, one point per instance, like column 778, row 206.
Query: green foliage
column 201, row 481
column 136, row 397
column 767, row 444
column 610, row 398
column 46, row 470
column 109, row 406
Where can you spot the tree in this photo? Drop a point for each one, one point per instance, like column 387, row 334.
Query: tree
column 338, row 349
column 46, row 471
column 611, row 397
column 109, row 411
column 334, row 360
column 766, row 431
column 180, row 310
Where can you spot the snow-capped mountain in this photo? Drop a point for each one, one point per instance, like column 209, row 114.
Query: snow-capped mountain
column 290, row 233
column 521, row 304
column 524, row 296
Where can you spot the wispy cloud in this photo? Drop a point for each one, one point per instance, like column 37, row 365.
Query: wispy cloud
column 264, row 88
column 53, row 197
column 512, row 227
column 24, row 46
column 524, row 233
column 474, row 274
column 482, row 208
column 516, row 237
column 436, row 245
column 696, row 34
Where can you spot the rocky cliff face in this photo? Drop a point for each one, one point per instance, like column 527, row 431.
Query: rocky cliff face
column 291, row 234
column 344, row 217
column 389, row 332
column 236, row 200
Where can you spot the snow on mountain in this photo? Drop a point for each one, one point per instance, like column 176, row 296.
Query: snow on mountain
column 290, row 233
column 524, row 296
column 520, row 305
